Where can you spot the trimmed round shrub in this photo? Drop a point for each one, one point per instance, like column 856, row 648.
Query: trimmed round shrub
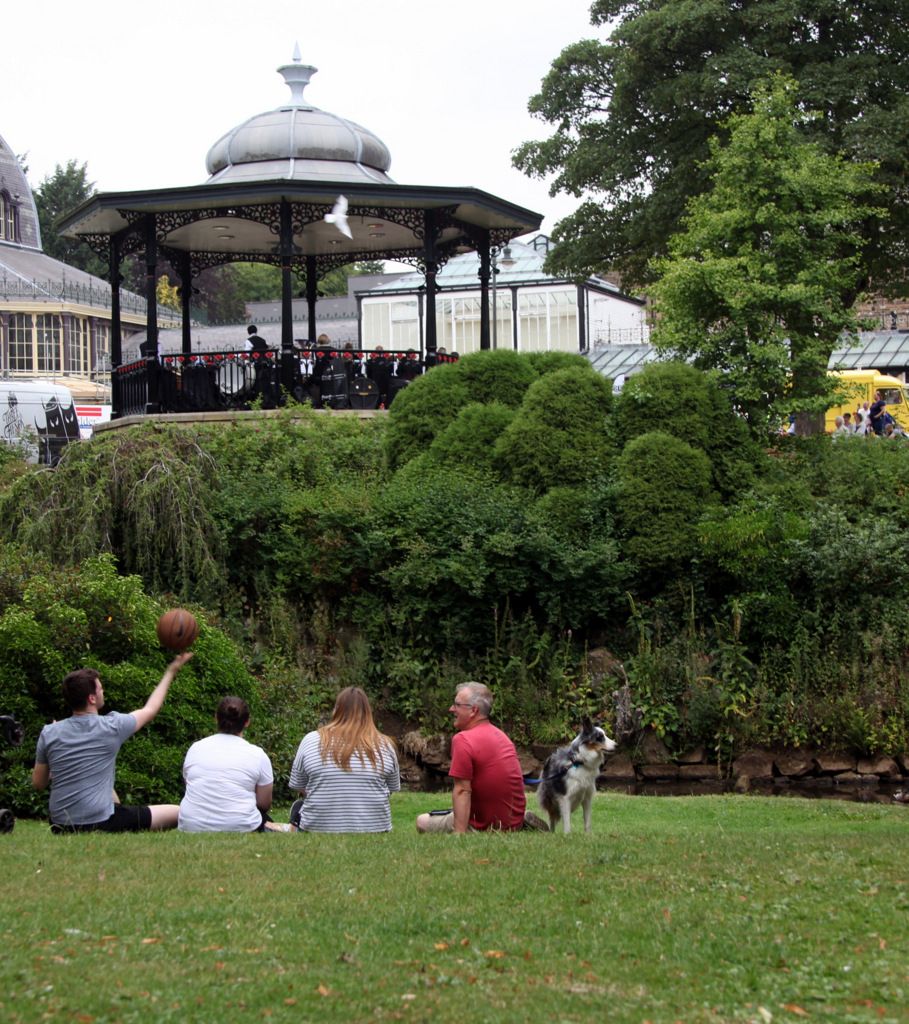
column 558, row 437
column 664, row 486
column 421, row 411
column 678, row 399
column 501, row 376
column 549, row 362
column 471, row 439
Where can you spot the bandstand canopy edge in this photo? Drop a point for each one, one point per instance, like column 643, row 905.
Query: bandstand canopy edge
column 386, row 220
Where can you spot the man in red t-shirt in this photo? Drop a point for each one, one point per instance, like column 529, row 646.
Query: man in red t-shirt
column 488, row 783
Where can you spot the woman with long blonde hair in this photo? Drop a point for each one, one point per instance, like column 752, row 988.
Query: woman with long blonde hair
column 346, row 770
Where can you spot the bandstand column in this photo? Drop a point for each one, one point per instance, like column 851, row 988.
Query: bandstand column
column 186, row 295
column 432, row 268
column 312, row 296
column 152, row 397
column 116, row 349
column 151, row 282
column 484, row 275
column 287, row 301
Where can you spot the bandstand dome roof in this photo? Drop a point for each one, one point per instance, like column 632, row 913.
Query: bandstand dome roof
column 298, row 142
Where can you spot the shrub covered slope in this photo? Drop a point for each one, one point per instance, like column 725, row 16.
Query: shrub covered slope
column 510, row 515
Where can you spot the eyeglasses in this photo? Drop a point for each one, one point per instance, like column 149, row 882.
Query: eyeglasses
column 460, row 704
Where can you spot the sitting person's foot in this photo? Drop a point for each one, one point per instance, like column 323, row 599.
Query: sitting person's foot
column 296, row 810
column 534, row 823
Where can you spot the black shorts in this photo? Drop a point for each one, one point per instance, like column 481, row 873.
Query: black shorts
column 124, row 819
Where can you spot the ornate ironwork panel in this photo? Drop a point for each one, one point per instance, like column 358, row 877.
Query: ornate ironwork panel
column 262, row 213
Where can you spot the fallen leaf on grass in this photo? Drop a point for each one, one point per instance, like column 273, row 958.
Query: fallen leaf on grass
column 465, row 942
column 148, row 942
column 323, row 991
column 208, row 949
column 495, row 954
column 408, row 996
column 796, row 1009
column 290, row 1002
column 441, row 945
column 485, row 860
column 882, row 944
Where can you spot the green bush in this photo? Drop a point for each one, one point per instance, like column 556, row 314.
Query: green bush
column 549, row 362
column 471, row 439
column 421, row 411
column 53, row 621
column 664, row 486
column 557, row 437
column 144, row 495
column 501, row 376
column 675, row 398
column 431, row 402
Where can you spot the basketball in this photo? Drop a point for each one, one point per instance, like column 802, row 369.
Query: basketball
column 177, row 630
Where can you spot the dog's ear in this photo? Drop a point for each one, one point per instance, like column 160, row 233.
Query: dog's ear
column 585, row 724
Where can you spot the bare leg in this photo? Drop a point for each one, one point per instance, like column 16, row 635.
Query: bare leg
column 164, row 816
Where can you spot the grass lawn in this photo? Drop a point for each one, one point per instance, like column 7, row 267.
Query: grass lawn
column 713, row 909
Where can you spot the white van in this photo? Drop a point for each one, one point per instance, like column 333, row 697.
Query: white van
column 41, row 414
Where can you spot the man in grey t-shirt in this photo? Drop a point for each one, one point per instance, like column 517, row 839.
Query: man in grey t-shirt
column 78, row 756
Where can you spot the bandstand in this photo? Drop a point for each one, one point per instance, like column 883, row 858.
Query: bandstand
column 272, row 181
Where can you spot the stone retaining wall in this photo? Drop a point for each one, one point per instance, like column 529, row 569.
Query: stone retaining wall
column 426, row 761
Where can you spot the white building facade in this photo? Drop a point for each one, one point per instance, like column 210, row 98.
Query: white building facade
column 530, row 310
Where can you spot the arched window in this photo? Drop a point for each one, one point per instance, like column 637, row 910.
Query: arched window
column 9, row 218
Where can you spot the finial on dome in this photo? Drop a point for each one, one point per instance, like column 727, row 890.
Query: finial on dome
column 297, row 76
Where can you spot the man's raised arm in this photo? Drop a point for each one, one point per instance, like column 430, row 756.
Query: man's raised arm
column 156, row 700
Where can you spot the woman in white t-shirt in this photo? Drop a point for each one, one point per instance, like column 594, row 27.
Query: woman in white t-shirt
column 229, row 782
column 345, row 771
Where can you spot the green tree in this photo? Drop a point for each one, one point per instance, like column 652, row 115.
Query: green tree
column 633, row 115
column 257, row 282
column 760, row 282
column 59, row 193
column 335, row 281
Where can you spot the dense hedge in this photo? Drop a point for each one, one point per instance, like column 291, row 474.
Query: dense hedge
column 55, row 620
column 508, row 516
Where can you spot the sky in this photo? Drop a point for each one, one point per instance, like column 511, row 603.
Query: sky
column 140, row 92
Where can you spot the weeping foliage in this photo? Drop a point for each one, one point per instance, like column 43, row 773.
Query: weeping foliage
column 143, row 495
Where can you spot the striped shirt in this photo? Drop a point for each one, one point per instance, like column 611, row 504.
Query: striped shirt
column 339, row 801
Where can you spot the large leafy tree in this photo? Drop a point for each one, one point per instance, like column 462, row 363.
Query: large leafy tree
column 633, row 115
column 755, row 282
column 60, row 192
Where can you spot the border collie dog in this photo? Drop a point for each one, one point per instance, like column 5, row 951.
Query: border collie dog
column 570, row 776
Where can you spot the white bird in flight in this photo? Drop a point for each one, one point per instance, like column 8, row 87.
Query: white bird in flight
column 338, row 216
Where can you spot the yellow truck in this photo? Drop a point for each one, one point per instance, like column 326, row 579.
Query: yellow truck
column 858, row 387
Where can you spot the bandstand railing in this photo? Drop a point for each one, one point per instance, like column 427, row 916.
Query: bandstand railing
column 239, row 380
